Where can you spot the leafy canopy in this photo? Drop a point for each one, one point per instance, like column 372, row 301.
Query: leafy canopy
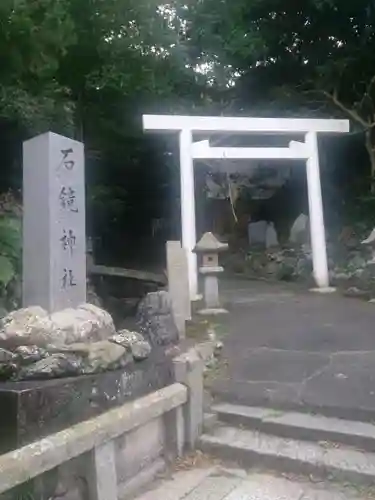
column 315, row 51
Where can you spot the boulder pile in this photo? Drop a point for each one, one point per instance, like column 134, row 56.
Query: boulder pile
column 37, row 345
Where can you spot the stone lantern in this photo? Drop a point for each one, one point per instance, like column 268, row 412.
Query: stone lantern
column 209, row 248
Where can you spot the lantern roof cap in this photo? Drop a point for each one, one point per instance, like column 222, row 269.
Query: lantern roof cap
column 209, row 243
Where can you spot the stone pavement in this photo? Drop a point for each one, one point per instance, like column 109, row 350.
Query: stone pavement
column 219, row 483
column 290, row 348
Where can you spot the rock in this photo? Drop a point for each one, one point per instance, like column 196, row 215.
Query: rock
column 356, row 262
column 356, row 293
column 56, row 354
column 105, row 355
column 92, row 297
column 77, row 359
column 370, row 240
column 259, row 262
column 29, row 354
column 140, row 350
column 27, row 326
column 299, row 230
column 352, row 270
column 33, row 326
column 3, row 312
column 126, row 338
column 286, row 271
column 7, row 371
column 272, row 268
column 54, row 366
column 87, row 323
column 271, row 236
column 218, row 349
column 336, row 275
column 96, row 356
column 173, row 350
column 134, row 342
column 257, row 232
column 234, row 262
column 155, row 319
column 281, row 263
column 303, row 268
column 6, row 356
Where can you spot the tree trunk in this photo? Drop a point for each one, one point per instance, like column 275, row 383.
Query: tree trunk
column 370, row 146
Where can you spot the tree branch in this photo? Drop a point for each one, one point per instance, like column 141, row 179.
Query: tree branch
column 367, row 98
column 351, row 112
column 368, row 90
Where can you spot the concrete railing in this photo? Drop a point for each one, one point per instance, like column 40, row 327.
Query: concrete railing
column 120, row 450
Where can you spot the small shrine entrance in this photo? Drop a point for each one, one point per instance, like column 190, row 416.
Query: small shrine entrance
column 306, row 150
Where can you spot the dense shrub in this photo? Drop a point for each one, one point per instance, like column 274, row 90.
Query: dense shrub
column 10, row 252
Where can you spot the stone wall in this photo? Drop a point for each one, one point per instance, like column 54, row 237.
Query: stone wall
column 116, row 453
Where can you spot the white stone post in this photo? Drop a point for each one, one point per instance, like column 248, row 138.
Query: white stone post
column 54, row 239
column 188, row 370
column 102, row 476
column 317, row 230
column 188, row 209
column 178, row 284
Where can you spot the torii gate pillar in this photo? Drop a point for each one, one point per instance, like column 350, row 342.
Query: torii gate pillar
column 188, row 227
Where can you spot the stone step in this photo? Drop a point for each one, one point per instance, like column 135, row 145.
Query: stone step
column 209, row 421
column 222, row 483
column 282, row 396
column 302, row 426
column 256, row 449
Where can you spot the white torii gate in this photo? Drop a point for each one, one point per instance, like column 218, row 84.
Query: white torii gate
column 307, row 150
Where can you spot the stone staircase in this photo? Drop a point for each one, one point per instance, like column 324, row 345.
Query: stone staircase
column 292, row 442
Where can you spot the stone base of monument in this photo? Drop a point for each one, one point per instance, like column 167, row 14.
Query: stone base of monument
column 111, row 367
column 34, row 409
column 327, row 289
column 212, row 311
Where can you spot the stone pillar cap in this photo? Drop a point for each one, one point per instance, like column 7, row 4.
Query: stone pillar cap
column 209, row 243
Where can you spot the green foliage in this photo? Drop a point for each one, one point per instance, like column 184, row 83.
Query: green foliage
column 7, row 271
column 10, row 237
column 10, row 259
column 38, row 34
column 89, row 69
column 310, row 55
column 314, row 58
column 24, row 491
column 75, row 63
column 24, row 496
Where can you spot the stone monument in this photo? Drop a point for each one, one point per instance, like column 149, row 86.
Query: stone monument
column 209, row 248
column 54, row 240
column 61, row 359
column 257, row 233
column 299, row 232
column 271, row 236
column 370, row 242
